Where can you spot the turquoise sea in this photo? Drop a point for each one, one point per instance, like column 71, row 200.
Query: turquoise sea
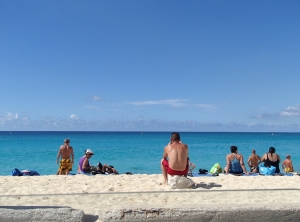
column 137, row 152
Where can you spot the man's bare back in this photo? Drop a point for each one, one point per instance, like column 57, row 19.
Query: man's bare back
column 66, row 154
column 66, row 150
column 175, row 158
column 177, row 153
column 254, row 159
column 287, row 164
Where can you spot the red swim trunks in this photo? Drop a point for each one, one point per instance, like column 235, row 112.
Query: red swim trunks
column 172, row 172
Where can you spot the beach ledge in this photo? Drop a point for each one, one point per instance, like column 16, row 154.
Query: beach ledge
column 40, row 213
column 203, row 213
column 258, row 213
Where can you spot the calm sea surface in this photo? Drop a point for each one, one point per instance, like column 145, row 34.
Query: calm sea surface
column 137, row 152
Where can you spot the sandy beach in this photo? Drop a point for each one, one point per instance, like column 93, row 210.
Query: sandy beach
column 96, row 194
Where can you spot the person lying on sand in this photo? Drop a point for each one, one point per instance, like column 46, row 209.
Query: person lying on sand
column 106, row 169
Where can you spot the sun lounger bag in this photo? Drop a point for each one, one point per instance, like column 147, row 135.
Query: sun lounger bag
column 203, row 171
column 216, row 169
column 267, row 170
column 16, row 172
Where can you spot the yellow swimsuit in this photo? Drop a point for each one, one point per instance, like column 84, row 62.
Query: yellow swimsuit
column 66, row 164
column 287, row 170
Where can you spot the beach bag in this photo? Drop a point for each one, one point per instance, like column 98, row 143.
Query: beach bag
column 34, row 173
column 16, row 172
column 216, row 169
column 263, row 170
column 203, row 171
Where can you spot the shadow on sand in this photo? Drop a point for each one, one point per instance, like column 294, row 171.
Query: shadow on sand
column 206, row 186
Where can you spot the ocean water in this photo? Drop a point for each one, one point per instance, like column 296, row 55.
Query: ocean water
column 136, row 152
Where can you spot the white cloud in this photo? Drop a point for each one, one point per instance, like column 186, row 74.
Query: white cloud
column 173, row 103
column 96, row 98
column 291, row 111
column 170, row 102
column 9, row 117
column 139, row 124
column 73, row 116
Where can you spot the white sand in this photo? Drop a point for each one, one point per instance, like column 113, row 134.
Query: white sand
column 94, row 194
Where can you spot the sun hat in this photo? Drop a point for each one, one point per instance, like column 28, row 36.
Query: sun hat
column 89, row 151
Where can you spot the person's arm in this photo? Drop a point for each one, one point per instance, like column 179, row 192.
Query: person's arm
column 249, row 160
column 283, row 165
column 292, row 166
column 263, row 158
column 259, row 160
column 193, row 166
column 227, row 164
column 278, row 158
column 86, row 165
column 58, row 156
column 242, row 164
column 72, row 154
column 165, row 154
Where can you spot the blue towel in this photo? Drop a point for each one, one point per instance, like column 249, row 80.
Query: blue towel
column 202, row 175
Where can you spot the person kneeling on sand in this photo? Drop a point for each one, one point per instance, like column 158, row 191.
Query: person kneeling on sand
column 235, row 162
column 84, row 164
column 287, row 164
column 177, row 153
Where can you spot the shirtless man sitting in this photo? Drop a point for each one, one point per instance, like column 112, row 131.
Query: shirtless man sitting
column 253, row 162
column 177, row 153
column 287, row 164
column 65, row 152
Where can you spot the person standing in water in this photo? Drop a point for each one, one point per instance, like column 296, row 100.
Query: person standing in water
column 67, row 158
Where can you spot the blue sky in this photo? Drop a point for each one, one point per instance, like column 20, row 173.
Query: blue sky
column 150, row 65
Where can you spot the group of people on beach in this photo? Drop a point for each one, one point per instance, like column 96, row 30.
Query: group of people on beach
column 235, row 162
column 175, row 160
column 65, row 159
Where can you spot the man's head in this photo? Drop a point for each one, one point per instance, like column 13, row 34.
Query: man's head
column 175, row 137
column 89, row 153
column 67, row 140
column 233, row 149
column 253, row 151
column 288, row 156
